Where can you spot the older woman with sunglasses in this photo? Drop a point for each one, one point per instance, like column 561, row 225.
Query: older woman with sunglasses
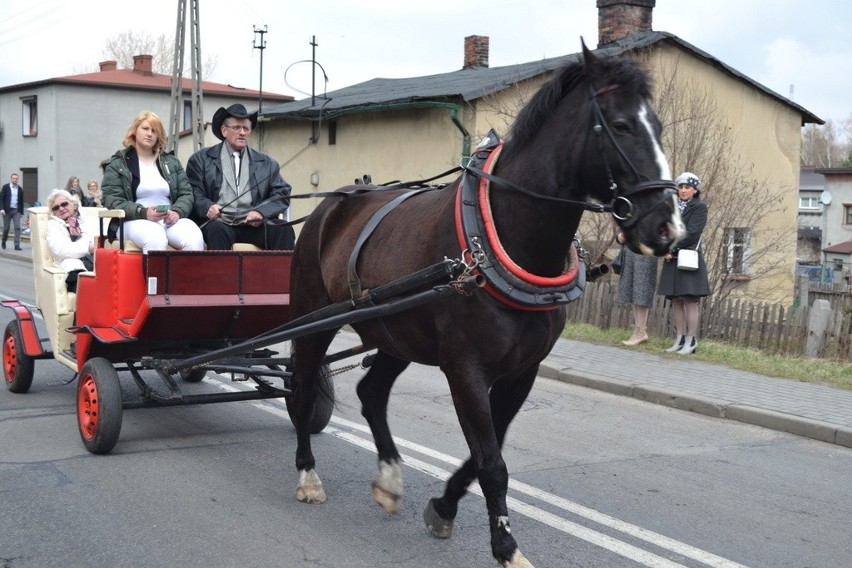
column 70, row 237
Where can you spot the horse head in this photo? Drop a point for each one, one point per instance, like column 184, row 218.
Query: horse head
column 627, row 166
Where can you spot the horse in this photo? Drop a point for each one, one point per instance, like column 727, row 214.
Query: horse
column 589, row 133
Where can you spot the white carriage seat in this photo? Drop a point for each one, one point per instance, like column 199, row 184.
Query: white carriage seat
column 57, row 305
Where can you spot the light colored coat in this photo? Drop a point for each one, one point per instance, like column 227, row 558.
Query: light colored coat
column 67, row 253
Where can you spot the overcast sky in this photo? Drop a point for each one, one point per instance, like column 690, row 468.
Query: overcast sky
column 801, row 49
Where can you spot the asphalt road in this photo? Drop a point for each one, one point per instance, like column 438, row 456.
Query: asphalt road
column 597, row 480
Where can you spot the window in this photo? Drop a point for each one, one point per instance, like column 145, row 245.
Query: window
column 808, row 202
column 332, row 132
column 847, row 214
column 838, row 264
column 738, row 249
column 30, row 116
column 187, row 115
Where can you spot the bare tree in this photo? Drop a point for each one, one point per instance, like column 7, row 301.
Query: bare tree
column 124, row 46
column 739, row 245
column 829, row 145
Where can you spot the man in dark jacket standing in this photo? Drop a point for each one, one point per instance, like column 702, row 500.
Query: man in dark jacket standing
column 239, row 192
column 12, row 197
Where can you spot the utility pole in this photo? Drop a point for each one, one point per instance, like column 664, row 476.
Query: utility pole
column 176, row 113
column 315, row 125
column 261, row 46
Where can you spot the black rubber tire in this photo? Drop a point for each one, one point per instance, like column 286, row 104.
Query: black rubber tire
column 324, row 404
column 18, row 367
column 99, row 405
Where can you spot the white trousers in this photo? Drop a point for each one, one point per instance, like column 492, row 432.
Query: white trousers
column 156, row 235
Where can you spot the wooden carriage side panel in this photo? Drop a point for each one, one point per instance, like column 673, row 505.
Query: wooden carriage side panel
column 213, row 295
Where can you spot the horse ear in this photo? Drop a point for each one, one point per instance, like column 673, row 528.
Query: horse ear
column 590, row 62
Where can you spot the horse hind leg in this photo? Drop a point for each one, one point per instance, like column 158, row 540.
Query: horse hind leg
column 506, row 398
column 308, row 355
column 373, row 392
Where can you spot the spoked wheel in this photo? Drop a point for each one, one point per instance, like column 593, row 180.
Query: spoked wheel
column 323, row 406
column 17, row 365
column 99, row 405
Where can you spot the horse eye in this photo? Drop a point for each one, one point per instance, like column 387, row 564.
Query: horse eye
column 621, row 126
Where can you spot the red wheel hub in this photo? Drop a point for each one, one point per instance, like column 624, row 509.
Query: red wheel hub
column 87, row 407
column 9, row 358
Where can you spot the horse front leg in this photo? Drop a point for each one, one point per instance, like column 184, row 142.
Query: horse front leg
column 373, row 392
column 505, row 400
column 308, row 354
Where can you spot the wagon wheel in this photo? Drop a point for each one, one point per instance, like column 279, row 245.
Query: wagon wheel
column 194, row 375
column 17, row 365
column 99, row 405
column 323, row 406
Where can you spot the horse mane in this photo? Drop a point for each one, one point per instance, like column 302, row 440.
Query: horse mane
column 541, row 107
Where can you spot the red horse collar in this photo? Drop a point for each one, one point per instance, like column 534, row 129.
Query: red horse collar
column 505, row 279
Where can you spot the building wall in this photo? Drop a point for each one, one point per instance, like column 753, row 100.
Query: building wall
column 78, row 127
column 836, row 229
column 766, row 138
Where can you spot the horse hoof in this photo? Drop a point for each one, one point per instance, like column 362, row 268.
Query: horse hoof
column 437, row 526
column 387, row 488
column 386, row 500
column 309, row 489
column 518, row 560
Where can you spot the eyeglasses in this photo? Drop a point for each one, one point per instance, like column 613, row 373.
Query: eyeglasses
column 239, row 128
column 55, row 208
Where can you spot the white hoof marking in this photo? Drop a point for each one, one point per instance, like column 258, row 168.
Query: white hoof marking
column 309, row 489
column 387, row 488
column 518, row 561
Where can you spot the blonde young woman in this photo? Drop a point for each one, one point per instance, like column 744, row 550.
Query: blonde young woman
column 152, row 189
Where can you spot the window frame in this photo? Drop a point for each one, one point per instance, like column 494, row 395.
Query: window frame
column 738, row 251
column 29, row 115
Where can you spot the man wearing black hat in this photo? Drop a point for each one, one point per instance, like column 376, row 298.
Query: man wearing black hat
column 238, row 189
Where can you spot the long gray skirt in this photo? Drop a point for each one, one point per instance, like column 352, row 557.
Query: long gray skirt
column 638, row 281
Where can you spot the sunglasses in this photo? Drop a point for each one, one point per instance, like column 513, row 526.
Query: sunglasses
column 55, row 208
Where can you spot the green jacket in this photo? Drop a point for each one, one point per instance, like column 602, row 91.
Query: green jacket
column 121, row 178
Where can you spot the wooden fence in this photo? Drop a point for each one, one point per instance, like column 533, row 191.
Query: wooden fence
column 772, row 328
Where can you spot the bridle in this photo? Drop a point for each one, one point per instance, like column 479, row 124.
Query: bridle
column 621, row 207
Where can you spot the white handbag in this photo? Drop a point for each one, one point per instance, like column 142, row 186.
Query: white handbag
column 687, row 259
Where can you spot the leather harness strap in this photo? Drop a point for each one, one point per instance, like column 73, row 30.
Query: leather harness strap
column 355, row 291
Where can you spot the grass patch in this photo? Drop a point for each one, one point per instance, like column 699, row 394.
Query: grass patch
column 824, row 371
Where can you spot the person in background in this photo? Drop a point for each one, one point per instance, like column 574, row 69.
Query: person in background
column 73, row 187
column 12, row 199
column 93, row 199
column 636, row 286
column 238, row 190
column 683, row 287
column 152, row 189
column 70, row 236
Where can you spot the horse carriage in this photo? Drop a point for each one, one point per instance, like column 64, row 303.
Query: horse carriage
column 496, row 247
column 148, row 315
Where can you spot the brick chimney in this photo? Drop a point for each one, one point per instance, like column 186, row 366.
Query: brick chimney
column 142, row 64
column 108, row 65
column 618, row 19
column 475, row 51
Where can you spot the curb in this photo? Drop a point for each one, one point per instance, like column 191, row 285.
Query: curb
column 716, row 408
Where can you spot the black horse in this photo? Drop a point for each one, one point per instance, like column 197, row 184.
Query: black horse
column 511, row 219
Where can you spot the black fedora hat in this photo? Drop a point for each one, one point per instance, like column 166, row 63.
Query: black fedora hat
column 233, row 111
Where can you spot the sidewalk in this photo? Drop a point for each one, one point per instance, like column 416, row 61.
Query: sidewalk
column 805, row 409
